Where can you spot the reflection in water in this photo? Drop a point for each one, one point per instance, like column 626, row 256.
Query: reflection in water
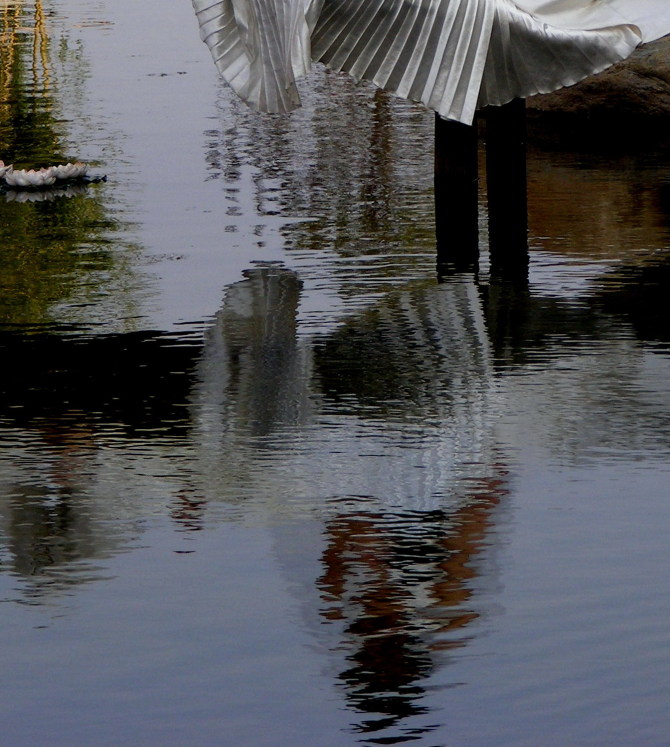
column 68, row 404
column 620, row 211
column 118, row 384
column 398, row 437
column 43, row 238
column 56, row 259
column 383, row 431
column 398, row 460
column 361, row 173
column 639, row 293
column 397, row 404
column 48, row 521
column 253, row 378
column 26, row 95
column 45, row 195
column 361, row 199
column 421, row 351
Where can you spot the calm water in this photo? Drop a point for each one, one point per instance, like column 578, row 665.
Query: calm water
column 263, row 479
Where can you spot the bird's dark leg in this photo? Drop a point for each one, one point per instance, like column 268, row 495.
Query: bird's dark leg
column 506, row 187
column 456, row 186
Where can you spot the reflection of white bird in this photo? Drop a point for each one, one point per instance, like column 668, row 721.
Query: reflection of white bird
column 403, row 424
column 453, row 56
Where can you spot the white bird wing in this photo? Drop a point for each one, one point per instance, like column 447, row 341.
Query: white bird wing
column 260, row 47
column 453, row 56
column 431, row 51
column 528, row 55
column 652, row 17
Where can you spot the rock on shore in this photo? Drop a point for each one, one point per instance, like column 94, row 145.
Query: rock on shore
column 636, row 87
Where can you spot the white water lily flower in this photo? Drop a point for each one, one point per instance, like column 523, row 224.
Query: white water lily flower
column 41, row 178
column 30, row 178
column 45, row 177
column 80, row 168
column 70, row 170
column 16, row 178
column 63, row 171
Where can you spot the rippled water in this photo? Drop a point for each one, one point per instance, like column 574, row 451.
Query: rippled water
column 263, row 479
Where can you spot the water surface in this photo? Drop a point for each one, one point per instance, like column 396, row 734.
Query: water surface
column 264, row 478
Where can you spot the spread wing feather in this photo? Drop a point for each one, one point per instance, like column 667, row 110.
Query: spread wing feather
column 453, row 56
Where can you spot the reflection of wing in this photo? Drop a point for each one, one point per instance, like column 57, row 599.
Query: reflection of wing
column 251, row 373
column 450, row 55
column 405, row 391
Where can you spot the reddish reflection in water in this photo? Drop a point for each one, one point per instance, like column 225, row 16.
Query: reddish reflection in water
column 400, row 584
column 188, row 511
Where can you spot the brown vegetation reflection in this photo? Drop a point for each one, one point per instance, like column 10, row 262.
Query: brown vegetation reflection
column 598, row 206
